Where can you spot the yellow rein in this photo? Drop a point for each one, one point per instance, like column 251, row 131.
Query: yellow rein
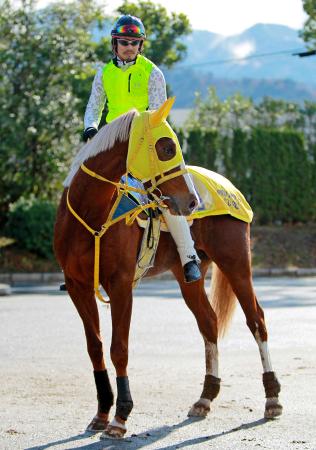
column 129, row 216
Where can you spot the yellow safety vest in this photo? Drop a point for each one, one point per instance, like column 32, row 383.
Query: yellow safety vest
column 127, row 89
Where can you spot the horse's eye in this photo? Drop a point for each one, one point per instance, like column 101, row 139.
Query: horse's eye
column 169, row 151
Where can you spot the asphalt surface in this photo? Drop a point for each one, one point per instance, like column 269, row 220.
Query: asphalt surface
column 47, row 394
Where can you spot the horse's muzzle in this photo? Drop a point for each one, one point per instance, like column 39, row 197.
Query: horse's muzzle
column 182, row 206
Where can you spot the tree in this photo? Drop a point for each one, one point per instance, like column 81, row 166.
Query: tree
column 45, row 57
column 209, row 113
column 273, row 113
column 309, row 117
column 309, row 30
column 164, row 31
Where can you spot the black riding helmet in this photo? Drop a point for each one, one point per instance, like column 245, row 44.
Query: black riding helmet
column 129, row 26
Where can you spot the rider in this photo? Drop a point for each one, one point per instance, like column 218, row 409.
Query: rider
column 129, row 81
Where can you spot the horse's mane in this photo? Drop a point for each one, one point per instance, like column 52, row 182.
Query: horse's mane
column 104, row 140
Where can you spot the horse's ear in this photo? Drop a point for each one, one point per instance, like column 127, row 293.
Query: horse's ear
column 162, row 113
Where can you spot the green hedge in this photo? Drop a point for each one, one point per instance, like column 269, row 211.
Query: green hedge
column 271, row 167
column 31, row 224
column 202, row 148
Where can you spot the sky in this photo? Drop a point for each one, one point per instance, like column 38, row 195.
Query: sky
column 228, row 17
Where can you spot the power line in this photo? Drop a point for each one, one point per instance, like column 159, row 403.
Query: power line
column 255, row 55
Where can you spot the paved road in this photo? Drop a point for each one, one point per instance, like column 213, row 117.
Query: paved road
column 47, row 395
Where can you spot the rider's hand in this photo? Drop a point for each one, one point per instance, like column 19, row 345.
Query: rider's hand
column 89, row 133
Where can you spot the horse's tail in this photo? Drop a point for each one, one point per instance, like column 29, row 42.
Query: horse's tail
column 223, row 299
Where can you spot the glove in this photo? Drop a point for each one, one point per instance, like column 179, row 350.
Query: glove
column 89, row 133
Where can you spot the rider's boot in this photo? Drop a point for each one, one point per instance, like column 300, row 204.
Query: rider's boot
column 180, row 231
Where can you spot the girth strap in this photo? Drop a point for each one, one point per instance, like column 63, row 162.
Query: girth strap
column 129, row 217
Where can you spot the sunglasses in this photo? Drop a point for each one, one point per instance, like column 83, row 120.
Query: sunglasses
column 125, row 43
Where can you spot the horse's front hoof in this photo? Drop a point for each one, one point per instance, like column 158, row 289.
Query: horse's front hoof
column 97, row 424
column 115, row 430
column 273, row 408
column 200, row 409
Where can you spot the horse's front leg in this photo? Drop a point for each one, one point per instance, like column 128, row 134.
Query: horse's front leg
column 120, row 293
column 84, row 300
column 211, row 385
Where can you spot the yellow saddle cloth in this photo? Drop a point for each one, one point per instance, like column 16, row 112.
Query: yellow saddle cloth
column 218, row 196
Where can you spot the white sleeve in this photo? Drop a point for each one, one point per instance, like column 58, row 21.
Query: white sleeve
column 157, row 93
column 96, row 102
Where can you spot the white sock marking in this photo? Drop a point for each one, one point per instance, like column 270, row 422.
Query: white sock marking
column 211, row 358
column 264, row 353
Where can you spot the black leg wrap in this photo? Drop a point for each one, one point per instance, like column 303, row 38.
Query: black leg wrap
column 124, row 402
column 271, row 384
column 104, row 390
column 211, row 387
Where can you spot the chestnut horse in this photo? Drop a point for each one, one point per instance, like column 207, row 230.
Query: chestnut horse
column 222, row 240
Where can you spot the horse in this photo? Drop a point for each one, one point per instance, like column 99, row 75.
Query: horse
column 91, row 189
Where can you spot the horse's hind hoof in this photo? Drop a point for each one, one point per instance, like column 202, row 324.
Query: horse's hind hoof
column 200, row 409
column 273, row 408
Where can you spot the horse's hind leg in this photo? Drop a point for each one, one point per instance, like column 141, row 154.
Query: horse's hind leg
column 238, row 272
column 256, row 323
column 84, row 300
column 196, row 299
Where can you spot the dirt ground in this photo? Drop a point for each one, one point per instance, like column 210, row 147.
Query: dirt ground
column 47, row 395
column 284, row 246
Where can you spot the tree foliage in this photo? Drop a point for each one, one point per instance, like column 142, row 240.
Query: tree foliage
column 31, row 224
column 309, row 31
column 164, row 31
column 45, row 56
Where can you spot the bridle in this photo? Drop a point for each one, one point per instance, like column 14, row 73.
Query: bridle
column 157, row 201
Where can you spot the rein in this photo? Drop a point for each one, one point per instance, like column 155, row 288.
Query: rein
column 122, row 188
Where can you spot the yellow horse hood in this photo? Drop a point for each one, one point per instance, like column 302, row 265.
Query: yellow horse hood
column 147, row 128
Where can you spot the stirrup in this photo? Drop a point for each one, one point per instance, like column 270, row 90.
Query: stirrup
column 191, row 272
column 63, row 287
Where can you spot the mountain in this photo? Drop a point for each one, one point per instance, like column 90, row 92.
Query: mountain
column 269, row 67
column 209, row 50
column 184, row 87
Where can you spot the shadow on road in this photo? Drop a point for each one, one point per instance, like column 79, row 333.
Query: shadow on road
column 61, row 441
column 147, row 438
